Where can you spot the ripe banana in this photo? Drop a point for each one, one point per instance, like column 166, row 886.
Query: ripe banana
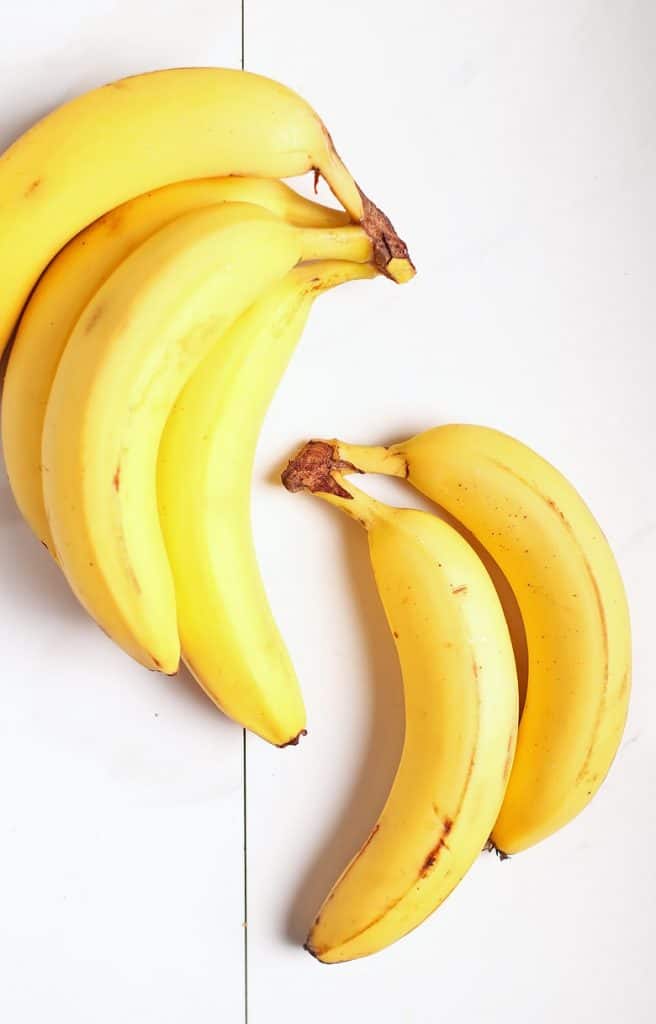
column 140, row 133
column 130, row 354
column 460, row 691
column 570, row 594
column 229, row 638
column 78, row 271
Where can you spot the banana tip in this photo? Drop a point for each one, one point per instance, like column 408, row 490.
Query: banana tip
column 491, row 847
column 293, row 742
column 391, row 254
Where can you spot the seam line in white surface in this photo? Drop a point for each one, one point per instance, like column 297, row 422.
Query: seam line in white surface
column 244, row 742
column 245, row 833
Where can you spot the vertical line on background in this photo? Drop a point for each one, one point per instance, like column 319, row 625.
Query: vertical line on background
column 245, row 828
column 244, row 747
column 242, row 34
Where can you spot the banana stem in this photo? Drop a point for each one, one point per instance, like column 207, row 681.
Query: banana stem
column 318, row 468
column 390, row 252
column 343, row 243
column 388, row 461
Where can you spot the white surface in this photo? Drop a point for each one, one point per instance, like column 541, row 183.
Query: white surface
column 121, row 862
column 513, row 144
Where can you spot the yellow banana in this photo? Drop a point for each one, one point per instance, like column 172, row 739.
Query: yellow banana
column 228, row 635
column 78, row 271
column 130, row 354
column 141, row 133
column 572, row 601
column 460, row 691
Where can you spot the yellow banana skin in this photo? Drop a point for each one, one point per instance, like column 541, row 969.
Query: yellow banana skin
column 460, row 691
column 144, row 132
column 229, row 638
column 572, row 600
column 78, row 271
column 130, row 354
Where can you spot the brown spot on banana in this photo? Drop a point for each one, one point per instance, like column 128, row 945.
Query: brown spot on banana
column 433, row 855
column 93, row 319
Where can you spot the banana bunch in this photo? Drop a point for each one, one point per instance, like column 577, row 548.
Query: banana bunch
column 164, row 276
column 157, row 276
column 460, row 779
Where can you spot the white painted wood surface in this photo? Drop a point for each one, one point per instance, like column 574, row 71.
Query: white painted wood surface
column 514, row 145
column 121, row 860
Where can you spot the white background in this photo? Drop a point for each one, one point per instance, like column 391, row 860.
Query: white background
column 514, row 145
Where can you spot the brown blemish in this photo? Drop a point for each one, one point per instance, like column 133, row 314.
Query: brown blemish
column 293, row 742
column 432, row 858
column 32, row 187
column 447, row 825
column 93, row 319
column 312, row 470
column 559, row 512
column 116, row 479
column 156, row 662
column 475, row 668
column 459, row 590
column 113, row 220
column 386, row 243
column 317, row 176
column 395, row 634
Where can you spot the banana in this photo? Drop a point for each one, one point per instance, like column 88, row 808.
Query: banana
column 130, row 354
column 460, row 690
column 571, row 597
column 140, row 133
column 78, row 271
column 228, row 636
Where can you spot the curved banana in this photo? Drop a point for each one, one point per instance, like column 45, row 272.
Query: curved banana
column 570, row 594
column 130, row 354
column 229, row 638
column 140, row 133
column 460, row 690
column 78, row 271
